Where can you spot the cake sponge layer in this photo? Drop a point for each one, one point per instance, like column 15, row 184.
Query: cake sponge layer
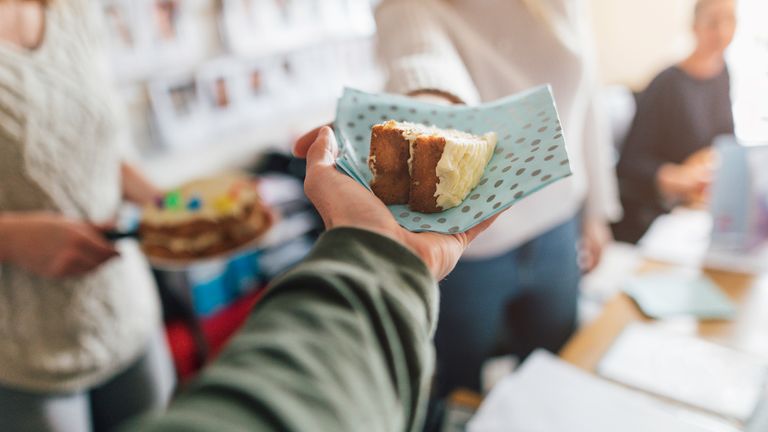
column 388, row 161
column 439, row 166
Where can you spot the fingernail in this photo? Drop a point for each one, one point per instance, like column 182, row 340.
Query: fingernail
column 324, row 131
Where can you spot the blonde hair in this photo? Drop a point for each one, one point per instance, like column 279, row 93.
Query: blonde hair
column 700, row 6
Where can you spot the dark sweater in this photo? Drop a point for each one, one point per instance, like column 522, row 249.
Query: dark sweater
column 341, row 343
column 677, row 115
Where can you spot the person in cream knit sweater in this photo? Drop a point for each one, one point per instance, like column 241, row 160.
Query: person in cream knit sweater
column 82, row 347
column 517, row 286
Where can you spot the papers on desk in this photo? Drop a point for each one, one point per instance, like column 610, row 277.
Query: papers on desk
column 667, row 293
column 548, row 395
column 683, row 237
column 686, row 369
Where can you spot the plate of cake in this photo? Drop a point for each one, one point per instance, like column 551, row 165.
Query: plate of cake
column 447, row 168
column 211, row 218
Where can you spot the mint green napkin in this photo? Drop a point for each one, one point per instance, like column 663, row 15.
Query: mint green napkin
column 530, row 154
column 667, row 293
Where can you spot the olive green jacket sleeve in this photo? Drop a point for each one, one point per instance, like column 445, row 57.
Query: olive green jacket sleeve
column 340, row 343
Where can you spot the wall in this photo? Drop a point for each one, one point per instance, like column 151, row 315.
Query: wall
column 638, row 38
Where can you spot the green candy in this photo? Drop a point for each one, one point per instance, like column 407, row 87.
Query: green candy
column 173, row 200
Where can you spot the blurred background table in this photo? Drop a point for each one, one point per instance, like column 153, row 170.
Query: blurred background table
column 746, row 332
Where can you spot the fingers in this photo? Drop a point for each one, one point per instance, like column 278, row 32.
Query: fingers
column 302, row 145
column 75, row 262
column 105, row 226
column 322, row 153
column 95, row 246
column 81, row 265
column 321, row 161
column 593, row 253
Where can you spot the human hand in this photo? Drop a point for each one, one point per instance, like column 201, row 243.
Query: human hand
column 53, row 246
column 596, row 235
column 685, row 183
column 705, row 157
column 342, row 202
column 136, row 187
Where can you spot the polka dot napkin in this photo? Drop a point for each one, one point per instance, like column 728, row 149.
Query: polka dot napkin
column 530, row 153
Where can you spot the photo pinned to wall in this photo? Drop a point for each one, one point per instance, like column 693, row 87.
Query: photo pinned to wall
column 121, row 25
column 256, row 85
column 172, row 29
column 347, row 17
column 221, row 84
column 303, row 15
column 183, row 99
column 262, row 77
column 249, row 26
column 179, row 112
column 146, row 36
column 268, row 85
column 165, row 19
column 258, row 28
column 237, row 93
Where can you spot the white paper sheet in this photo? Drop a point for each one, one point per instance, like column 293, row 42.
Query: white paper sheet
column 549, row 395
column 683, row 238
column 686, row 369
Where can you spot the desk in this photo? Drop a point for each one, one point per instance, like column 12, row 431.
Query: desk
column 748, row 332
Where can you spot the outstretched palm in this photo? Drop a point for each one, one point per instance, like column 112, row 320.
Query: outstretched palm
column 342, row 202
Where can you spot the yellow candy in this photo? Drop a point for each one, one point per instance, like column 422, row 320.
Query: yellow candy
column 224, row 204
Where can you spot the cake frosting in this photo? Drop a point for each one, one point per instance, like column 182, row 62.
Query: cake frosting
column 204, row 217
column 462, row 161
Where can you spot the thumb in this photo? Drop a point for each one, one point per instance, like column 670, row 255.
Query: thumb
column 322, row 153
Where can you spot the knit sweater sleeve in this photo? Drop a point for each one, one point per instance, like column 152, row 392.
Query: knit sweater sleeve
column 340, row 343
column 418, row 51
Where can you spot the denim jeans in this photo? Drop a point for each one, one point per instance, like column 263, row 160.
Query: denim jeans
column 509, row 304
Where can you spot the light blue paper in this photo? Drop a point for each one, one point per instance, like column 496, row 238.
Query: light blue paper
column 529, row 156
column 668, row 293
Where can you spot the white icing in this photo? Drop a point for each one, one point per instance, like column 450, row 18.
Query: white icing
column 462, row 163
column 208, row 191
column 461, row 167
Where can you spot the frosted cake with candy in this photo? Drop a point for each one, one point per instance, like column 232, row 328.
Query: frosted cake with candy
column 204, row 218
column 428, row 168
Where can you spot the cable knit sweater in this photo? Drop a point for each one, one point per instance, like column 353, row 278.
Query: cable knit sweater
column 484, row 50
column 59, row 152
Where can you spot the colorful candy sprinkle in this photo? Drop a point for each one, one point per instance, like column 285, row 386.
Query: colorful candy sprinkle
column 234, row 190
column 173, row 200
column 224, row 204
column 194, row 203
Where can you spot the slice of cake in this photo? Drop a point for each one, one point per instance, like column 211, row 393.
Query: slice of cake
column 204, row 218
column 428, row 168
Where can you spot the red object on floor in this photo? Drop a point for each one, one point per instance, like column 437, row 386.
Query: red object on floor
column 217, row 330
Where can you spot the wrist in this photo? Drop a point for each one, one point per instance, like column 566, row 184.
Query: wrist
column 7, row 242
column 664, row 184
column 425, row 254
column 436, row 96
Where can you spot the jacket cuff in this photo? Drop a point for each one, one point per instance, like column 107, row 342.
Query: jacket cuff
column 389, row 265
column 424, row 72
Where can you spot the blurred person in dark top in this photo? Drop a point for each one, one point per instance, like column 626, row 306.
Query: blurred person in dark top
column 666, row 159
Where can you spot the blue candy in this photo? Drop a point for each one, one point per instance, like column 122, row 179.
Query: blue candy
column 194, row 204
